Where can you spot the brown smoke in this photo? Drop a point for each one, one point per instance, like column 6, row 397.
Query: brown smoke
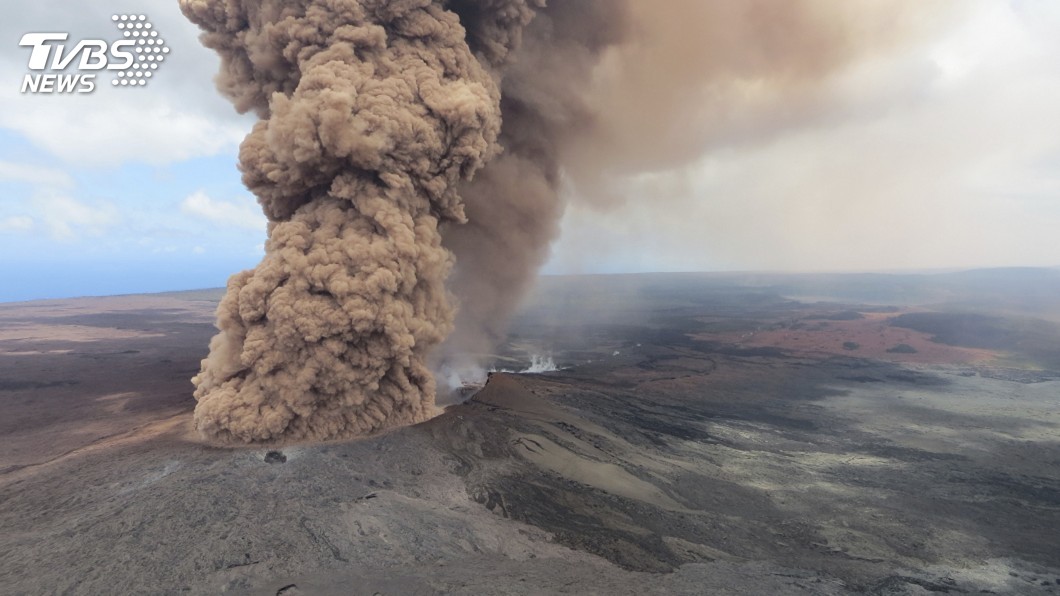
column 372, row 112
column 600, row 91
column 514, row 204
column 376, row 119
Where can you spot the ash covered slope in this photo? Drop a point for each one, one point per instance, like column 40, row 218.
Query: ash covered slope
column 678, row 465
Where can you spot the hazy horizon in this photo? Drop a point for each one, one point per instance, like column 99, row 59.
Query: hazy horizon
column 107, row 281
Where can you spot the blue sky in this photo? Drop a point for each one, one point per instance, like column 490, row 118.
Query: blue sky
column 126, row 190
column 943, row 153
column 123, row 228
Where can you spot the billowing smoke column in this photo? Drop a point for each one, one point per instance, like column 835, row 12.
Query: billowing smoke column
column 371, row 114
column 514, row 204
column 402, row 138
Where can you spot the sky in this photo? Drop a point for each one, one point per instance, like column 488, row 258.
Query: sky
column 942, row 152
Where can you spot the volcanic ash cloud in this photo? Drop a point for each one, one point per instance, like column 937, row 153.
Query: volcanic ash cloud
column 376, row 116
column 371, row 114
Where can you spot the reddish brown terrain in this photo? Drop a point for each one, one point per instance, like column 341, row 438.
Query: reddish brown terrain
column 872, row 335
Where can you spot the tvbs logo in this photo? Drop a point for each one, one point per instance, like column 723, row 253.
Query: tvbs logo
column 133, row 59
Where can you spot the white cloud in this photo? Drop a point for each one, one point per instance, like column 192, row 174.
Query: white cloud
column 16, row 223
column 35, row 175
column 243, row 214
column 101, row 132
column 67, row 219
column 179, row 115
column 63, row 218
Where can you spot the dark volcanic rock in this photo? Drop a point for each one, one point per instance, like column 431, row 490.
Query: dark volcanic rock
column 275, row 457
column 684, row 465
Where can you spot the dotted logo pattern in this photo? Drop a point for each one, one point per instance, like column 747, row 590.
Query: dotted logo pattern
column 151, row 50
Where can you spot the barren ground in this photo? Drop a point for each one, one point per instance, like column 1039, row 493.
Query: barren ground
column 702, row 437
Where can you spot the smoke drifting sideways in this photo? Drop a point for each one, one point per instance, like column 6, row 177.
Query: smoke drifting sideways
column 401, row 141
column 600, row 93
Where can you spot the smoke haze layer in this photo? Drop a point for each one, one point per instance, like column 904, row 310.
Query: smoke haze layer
column 599, row 92
column 401, row 140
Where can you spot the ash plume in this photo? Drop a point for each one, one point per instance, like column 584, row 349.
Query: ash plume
column 599, row 92
column 402, row 138
column 371, row 113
